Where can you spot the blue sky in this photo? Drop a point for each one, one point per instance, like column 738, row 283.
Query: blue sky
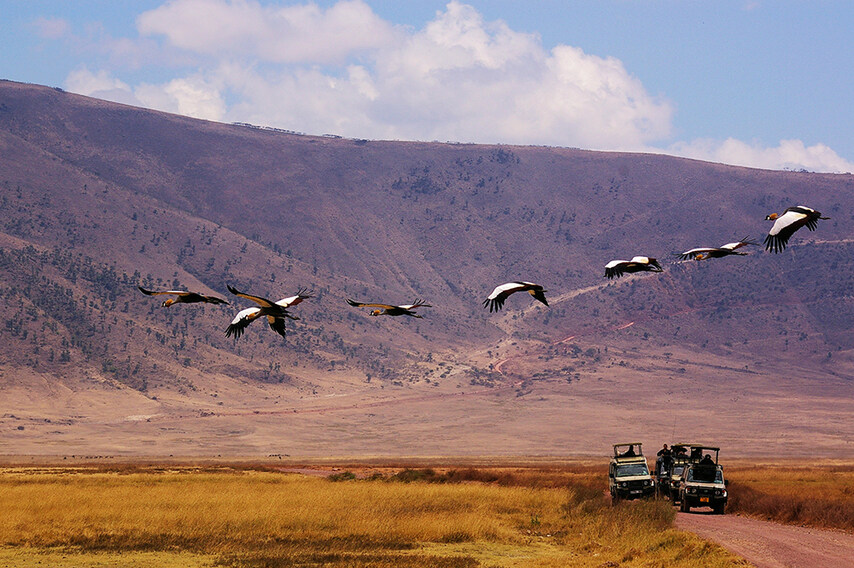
column 752, row 82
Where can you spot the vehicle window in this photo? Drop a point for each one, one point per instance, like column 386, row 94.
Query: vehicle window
column 705, row 476
column 678, row 470
column 632, row 469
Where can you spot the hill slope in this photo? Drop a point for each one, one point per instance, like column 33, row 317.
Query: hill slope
column 96, row 198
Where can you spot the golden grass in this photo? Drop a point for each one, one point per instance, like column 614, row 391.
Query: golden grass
column 818, row 496
column 258, row 518
column 26, row 557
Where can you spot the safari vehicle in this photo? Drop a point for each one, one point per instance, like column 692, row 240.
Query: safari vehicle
column 703, row 483
column 628, row 473
column 681, row 455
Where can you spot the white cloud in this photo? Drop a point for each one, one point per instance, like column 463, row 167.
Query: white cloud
column 788, row 155
column 344, row 70
column 191, row 96
column 283, row 34
column 51, row 28
column 100, row 85
column 459, row 78
column 463, row 79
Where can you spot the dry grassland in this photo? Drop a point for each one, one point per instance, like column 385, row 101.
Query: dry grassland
column 229, row 517
column 821, row 496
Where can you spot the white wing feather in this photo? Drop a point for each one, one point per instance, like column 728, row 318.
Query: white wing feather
column 510, row 286
column 785, row 220
column 244, row 314
column 285, row 302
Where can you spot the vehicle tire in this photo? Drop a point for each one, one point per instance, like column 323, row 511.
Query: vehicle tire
column 684, row 507
column 719, row 508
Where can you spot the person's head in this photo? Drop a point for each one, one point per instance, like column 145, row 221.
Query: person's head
column 665, row 446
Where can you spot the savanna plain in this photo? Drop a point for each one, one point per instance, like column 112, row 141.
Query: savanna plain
column 383, row 515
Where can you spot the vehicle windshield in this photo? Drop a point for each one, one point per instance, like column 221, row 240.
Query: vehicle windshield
column 706, row 475
column 632, row 469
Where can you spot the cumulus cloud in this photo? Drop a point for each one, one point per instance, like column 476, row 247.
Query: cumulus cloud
column 282, row 34
column 788, row 155
column 100, row 85
column 191, row 96
column 51, row 28
column 464, row 79
column 344, row 70
column 459, row 78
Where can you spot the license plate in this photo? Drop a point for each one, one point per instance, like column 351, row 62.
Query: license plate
column 704, row 499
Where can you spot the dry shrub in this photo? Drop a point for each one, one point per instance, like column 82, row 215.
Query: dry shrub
column 288, row 558
column 789, row 508
column 554, row 477
column 816, row 496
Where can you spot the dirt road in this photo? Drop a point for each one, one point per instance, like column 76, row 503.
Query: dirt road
column 772, row 545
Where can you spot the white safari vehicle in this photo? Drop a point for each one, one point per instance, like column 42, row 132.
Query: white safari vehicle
column 703, row 483
column 628, row 473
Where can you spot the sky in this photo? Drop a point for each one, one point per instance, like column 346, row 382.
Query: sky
column 759, row 83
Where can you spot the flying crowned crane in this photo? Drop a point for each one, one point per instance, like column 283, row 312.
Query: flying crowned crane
column 182, row 297
column 495, row 300
column 703, row 253
column 786, row 224
column 391, row 310
column 276, row 312
column 617, row 268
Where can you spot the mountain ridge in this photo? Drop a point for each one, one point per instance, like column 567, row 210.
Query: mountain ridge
column 98, row 198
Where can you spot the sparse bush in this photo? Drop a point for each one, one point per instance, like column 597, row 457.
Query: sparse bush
column 426, row 475
column 815, row 496
column 343, row 476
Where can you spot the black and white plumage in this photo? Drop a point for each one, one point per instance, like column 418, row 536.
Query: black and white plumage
column 391, row 310
column 617, row 268
column 703, row 253
column 495, row 300
column 182, row 297
column 786, row 224
column 275, row 312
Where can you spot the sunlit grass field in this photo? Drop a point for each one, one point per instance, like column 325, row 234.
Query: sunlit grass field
column 414, row 518
column 820, row 496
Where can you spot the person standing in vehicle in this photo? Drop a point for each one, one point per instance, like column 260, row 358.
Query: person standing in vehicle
column 666, row 455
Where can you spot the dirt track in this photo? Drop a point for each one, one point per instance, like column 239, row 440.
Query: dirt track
column 772, row 545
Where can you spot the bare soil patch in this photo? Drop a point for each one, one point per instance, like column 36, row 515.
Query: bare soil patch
column 772, row 545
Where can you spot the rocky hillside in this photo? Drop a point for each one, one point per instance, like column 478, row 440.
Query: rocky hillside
column 97, row 198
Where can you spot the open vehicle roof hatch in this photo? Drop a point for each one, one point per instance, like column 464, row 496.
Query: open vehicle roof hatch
column 620, row 449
